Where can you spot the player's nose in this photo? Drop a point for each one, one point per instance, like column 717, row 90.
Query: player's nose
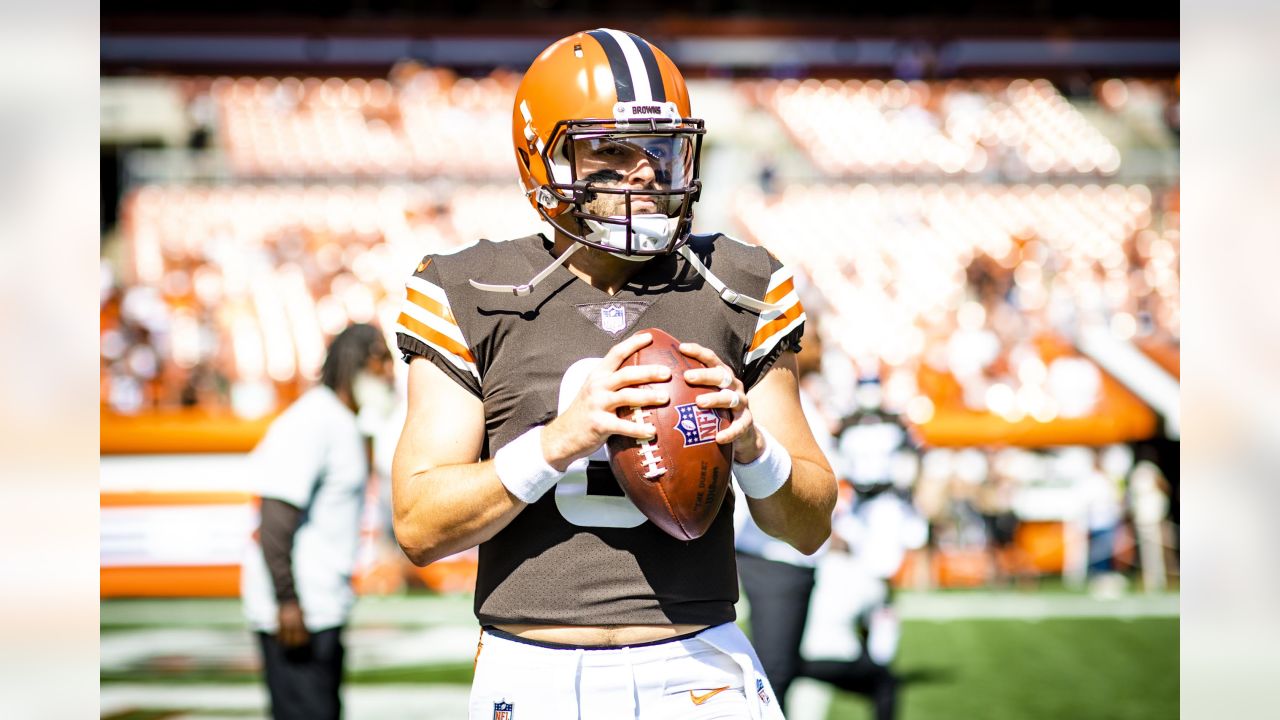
column 643, row 173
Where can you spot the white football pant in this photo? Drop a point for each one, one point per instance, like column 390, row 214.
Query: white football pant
column 714, row 675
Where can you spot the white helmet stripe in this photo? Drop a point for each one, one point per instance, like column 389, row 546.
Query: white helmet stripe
column 635, row 64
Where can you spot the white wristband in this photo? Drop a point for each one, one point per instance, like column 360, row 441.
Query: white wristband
column 763, row 476
column 523, row 469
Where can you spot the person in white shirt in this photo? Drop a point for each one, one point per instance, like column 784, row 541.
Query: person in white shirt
column 852, row 632
column 311, row 471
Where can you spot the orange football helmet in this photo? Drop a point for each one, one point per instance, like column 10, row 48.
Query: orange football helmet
column 594, row 100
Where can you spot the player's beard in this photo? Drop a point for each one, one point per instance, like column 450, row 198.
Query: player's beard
column 611, row 205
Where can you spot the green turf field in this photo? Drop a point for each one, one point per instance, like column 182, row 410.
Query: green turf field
column 1010, row 657
column 1019, row 670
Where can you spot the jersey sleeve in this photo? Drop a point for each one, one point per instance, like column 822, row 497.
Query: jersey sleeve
column 776, row 331
column 427, row 328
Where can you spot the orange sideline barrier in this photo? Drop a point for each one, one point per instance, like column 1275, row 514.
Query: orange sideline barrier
column 448, row 577
column 170, row 581
column 134, row 499
column 224, row 580
column 1042, row 544
column 1120, row 416
column 964, row 428
column 1165, row 355
column 961, row 568
column 178, row 431
column 910, row 566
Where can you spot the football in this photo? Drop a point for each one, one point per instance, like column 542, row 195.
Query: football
column 679, row 478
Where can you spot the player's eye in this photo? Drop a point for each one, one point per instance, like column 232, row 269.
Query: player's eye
column 657, row 151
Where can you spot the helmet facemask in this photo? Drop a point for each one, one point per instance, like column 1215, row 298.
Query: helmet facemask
column 631, row 185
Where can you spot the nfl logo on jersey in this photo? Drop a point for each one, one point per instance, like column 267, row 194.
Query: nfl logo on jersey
column 503, row 711
column 613, row 319
column 697, row 425
column 764, row 694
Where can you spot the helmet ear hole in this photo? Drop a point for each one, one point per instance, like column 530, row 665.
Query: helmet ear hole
column 524, row 158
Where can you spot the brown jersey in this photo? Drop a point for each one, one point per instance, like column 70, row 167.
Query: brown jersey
column 583, row 554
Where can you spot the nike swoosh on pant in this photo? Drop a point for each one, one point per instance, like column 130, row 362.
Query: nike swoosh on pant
column 699, row 699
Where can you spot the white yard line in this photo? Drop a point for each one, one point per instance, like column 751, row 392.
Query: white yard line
column 367, row 702
column 367, row 648
column 416, row 610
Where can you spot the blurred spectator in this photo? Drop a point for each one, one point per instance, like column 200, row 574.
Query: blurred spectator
column 995, row 504
column 961, row 526
column 853, row 632
column 1150, row 500
column 1102, row 496
column 311, row 470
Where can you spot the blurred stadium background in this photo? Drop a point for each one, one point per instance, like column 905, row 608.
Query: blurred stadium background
column 981, row 199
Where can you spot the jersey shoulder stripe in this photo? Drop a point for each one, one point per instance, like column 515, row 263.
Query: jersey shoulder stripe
column 426, row 317
column 427, row 296
column 775, row 325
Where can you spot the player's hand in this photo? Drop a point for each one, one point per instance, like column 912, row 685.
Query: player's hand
column 590, row 419
column 293, row 628
column 730, row 395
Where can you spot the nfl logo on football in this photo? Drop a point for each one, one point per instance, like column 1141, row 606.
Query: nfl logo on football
column 613, row 319
column 503, row 711
column 697, row 425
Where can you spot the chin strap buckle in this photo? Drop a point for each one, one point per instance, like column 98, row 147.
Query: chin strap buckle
column 545, row 198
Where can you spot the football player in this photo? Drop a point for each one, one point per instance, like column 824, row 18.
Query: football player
column 515, row 354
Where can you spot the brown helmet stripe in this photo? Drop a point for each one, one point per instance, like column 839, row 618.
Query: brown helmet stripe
column 617, row 65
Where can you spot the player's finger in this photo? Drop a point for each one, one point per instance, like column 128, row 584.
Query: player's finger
column 705, row 355
column 637, row 375
column 720, row 376
column 613, row 359
column 610, row 424
column 735, row 430
column 637, row 397
column 729, row 399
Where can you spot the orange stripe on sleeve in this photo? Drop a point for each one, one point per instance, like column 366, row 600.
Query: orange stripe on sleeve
column 781, row 291
column 439, row 339
column 775, row 325
column 430, row 305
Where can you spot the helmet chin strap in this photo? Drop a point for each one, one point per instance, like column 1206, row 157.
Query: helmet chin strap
column 525, row 289
column 733, row 297
column 651, row 228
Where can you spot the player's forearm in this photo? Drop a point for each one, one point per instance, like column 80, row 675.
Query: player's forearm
column 448, row 509
column 799, row 513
